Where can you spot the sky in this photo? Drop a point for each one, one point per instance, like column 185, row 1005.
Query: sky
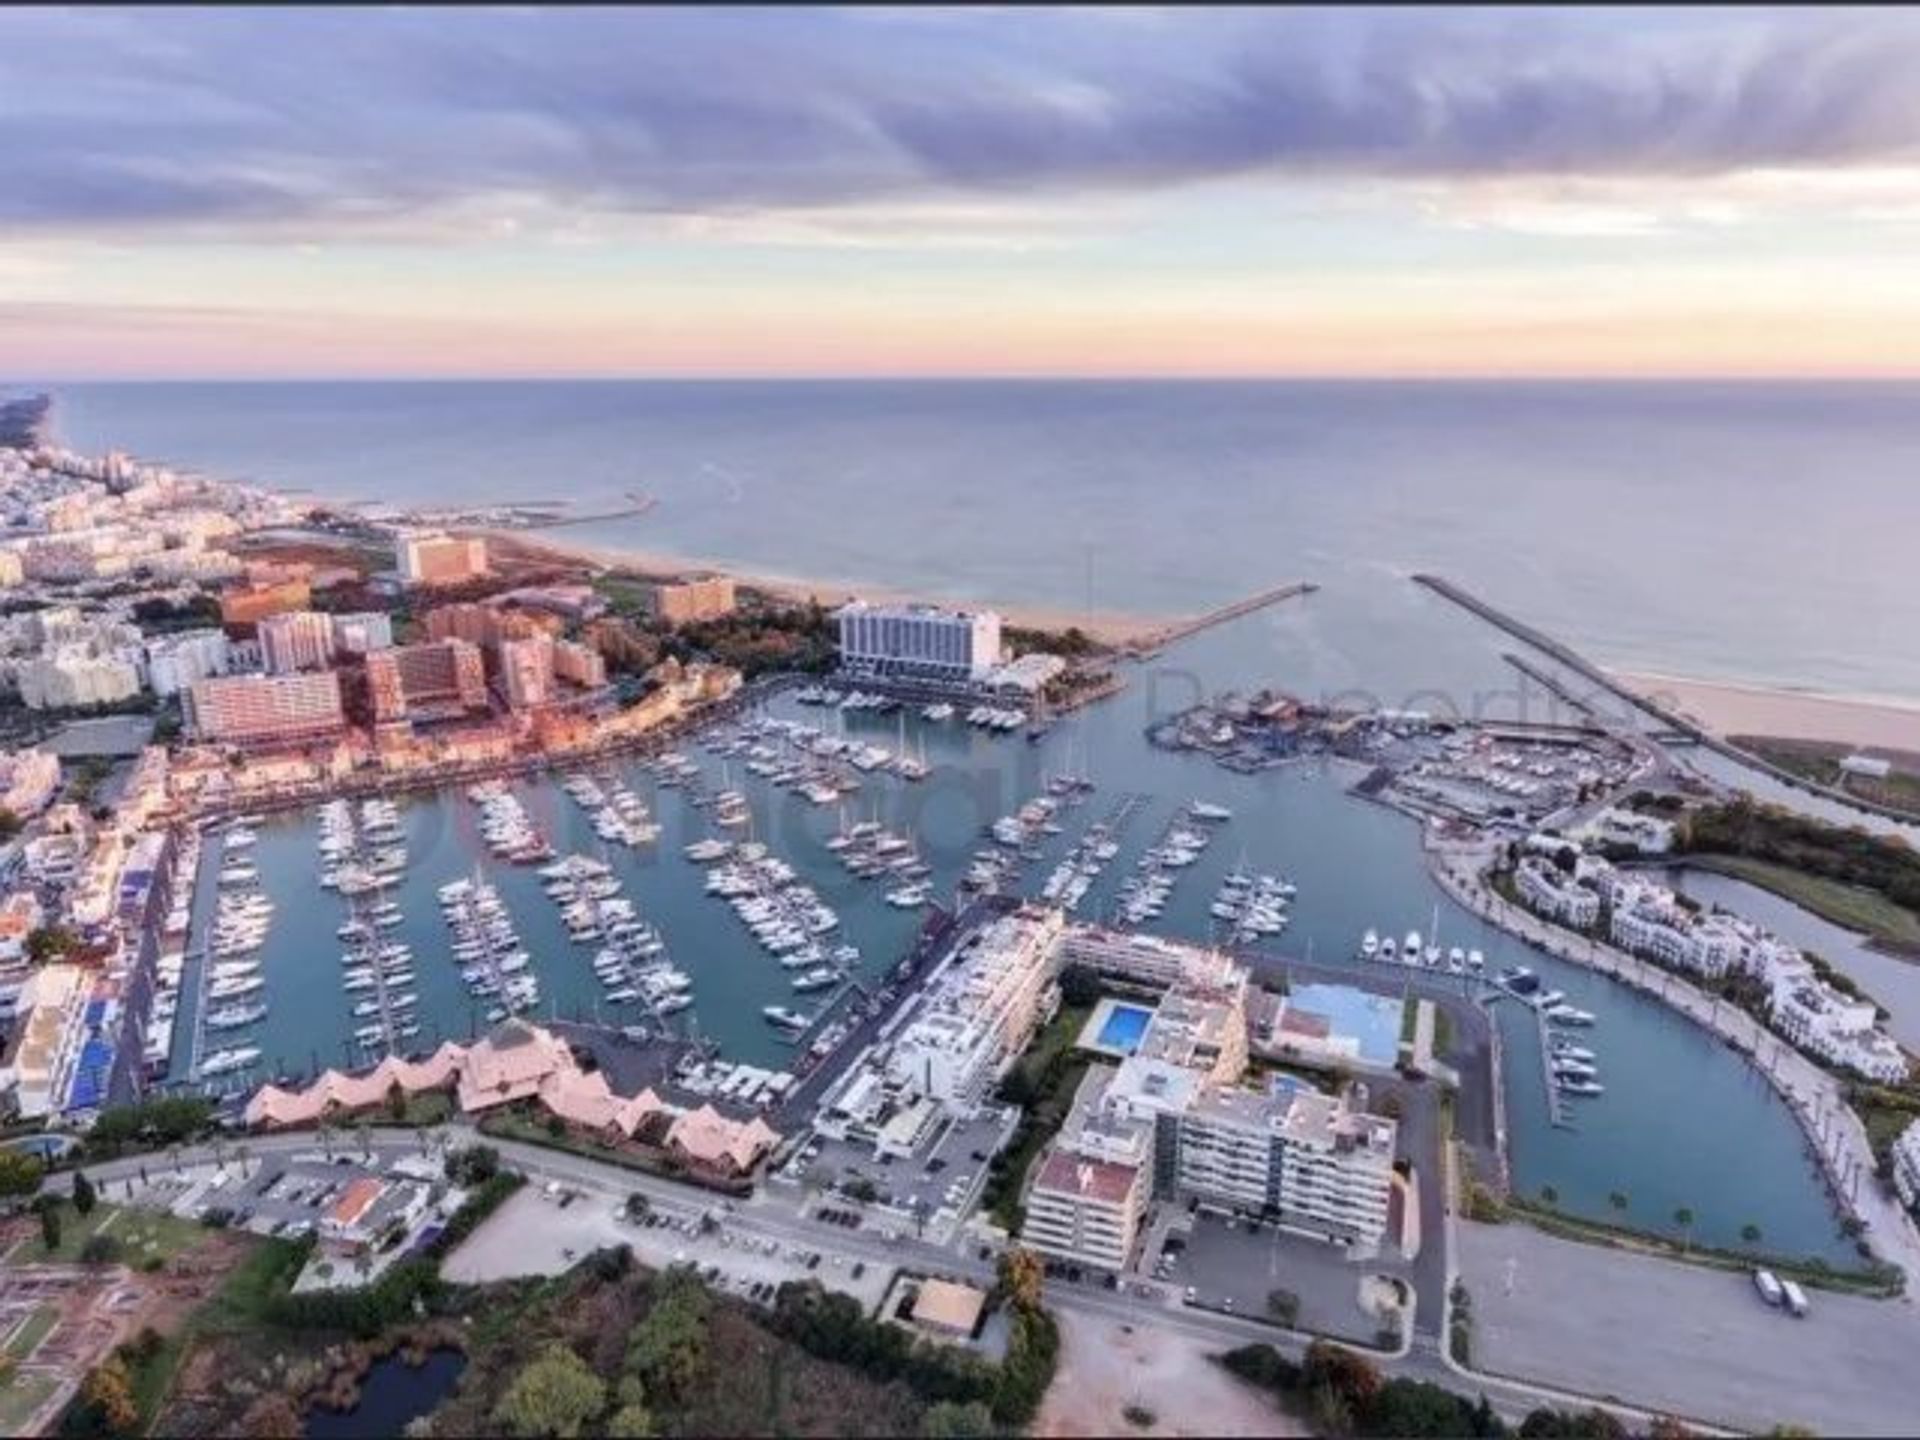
column 508, row 191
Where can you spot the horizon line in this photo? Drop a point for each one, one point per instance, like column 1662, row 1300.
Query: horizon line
column 1005, row 378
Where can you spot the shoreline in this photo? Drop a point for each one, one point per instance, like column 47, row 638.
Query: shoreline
column 1729, row 708
column 1108, row 627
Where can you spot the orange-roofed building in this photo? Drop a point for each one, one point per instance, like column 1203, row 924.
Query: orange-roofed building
column 732, row 1147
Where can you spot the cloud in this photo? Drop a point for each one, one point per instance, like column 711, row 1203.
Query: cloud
column 324, row 120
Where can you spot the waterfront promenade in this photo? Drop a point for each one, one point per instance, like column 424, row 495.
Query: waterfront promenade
column 1834, row 1133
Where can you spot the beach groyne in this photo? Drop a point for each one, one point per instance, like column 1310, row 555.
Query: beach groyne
column 1145, row 646
column 1678, row 724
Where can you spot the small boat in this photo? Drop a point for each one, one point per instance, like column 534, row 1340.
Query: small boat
column 1207, row 810
column 1369, row 944
column 784, row 1018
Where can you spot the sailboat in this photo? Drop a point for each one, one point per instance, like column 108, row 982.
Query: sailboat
column 908, row 766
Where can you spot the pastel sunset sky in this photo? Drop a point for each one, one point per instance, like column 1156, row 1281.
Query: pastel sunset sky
column 876, row 191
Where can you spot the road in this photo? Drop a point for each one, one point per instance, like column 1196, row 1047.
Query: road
column 769, row 1216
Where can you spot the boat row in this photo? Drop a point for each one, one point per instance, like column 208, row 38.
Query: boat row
column 786, row 916
column 494, row 966
column 505, row 826
column 1416, row 953
column 617, row 813
column 1250, row 906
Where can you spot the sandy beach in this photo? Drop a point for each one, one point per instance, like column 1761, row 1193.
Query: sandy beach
column 1108, row 627
column 1729, row 709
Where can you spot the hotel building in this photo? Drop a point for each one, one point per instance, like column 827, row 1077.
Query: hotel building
column 526, row 672
column 265, row 709
column 362, row 633
column 918, row 642
column 445, row 677
column 175, row 661
column 440, row 559
column 297, row 640
column 699, row 597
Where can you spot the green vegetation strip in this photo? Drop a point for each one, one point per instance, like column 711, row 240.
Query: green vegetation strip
column 1848, row 906
column 1042, row 1083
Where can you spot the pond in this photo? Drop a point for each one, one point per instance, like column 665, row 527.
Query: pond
column 392, row 1395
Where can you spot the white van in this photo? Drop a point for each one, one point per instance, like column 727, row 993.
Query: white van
column 1769, row 1287
column 1796, row 1298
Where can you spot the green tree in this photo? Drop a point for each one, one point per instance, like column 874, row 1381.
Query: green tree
column 1347, row 1374
column 99, row 1250
column 84, row 1198
column 50, row 942
column 19, row 1174
column 554, row 1394
column 947, row 1420
column 1590, row 1424
column 9, row 823
column 105, row 1402
column 1618, row 1200
column 1284, row 1306
column 1549, row 1196
column 50, row 1226
column 630, row 1422
column 667, row 1351
column 1021, row 1277
column 1750, row 1233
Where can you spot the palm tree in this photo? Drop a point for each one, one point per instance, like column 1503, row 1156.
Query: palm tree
column 1618, row 1200
column 1683, row 1217
column 1750, row 1234
column 1549, row 1196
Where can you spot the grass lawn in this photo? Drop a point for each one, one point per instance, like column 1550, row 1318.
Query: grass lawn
column 141, row 1233
column 26, row 1339
column 20, row 1397
column 1865, row 911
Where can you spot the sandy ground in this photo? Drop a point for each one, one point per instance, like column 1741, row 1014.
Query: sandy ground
column 1103, row 1370
column 1110, row 627
column 1753, row 710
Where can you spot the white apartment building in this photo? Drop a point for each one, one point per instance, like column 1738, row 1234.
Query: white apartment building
column 918, row 641
column 1548, row 890
column 1136, row 958
column 73, row 676
column 979, row 1012
column 295, row 641
column 1649, row 920
column 1821, row 1021
column 1085, row 1210
column 177, row 661
column 1906, row 1166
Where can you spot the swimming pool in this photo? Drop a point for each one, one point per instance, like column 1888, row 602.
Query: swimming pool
column 1125, row 1025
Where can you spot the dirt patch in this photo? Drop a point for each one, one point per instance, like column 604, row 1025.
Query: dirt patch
column 1105, row 1371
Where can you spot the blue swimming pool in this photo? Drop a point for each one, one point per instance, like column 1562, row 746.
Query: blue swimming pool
column 1373, row 1020
column 1125, row 1025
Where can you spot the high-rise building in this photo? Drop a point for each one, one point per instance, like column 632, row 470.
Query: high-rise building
column 444, row 677
column 918, row 641
column 176, row 661
column 695, row 597
column 579, row 664
column 265, row 709
column 297, row 640
column 362, row 633
column 526, row 672
column 441, row 559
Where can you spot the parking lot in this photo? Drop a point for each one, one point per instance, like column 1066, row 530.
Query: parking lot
column 1233, row 1266
column 285, row 1195
column 942, row 1184
column 535, row 1233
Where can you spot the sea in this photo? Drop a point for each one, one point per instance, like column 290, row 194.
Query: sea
column 1755, row 532
column 1748, row 532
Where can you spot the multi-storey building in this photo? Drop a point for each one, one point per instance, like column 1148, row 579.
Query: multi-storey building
column 1084, row 1210
column 73, row 676
column 265, row 709
column 176, row 661
column 918, row 641
column 526, row 672
column 297, row 640
column 1820, row 1020
column 1905, row 1159
column 579, row 664
column 28, row 780
column 362, row 632
column 979, row 1012
column 1556, row 893
column 694, row 597
column 441, row 678
column 441, row 559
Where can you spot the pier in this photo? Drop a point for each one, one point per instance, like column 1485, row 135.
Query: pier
column 638, row 504
column 1145, row 647
column 1674, row 728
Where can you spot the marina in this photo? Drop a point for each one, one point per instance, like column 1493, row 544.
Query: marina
column 1088, row 803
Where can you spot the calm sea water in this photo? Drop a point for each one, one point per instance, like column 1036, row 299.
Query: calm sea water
column 1750, row 531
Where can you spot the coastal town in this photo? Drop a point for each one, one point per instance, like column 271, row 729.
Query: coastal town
column 390, row 869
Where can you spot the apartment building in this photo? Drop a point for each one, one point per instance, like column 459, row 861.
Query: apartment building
column 362, row 632
column 297, row 640
column 1558, row 894
column 28, row 780
column 579, row 664
column 73, row 676
column 1905, row 1160
column 437, row 679
column 176, row 661
column 526, row 672
column 265, row 709
column 1088, row 1196
column 440, row 559
column 695, row 597
column 1841, row 1031
column 979, row 1012
column 918, row 642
